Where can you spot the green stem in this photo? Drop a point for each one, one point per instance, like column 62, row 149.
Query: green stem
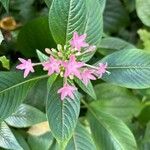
column 62, row 146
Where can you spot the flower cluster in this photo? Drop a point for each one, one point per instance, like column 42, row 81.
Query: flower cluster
column 65, row 61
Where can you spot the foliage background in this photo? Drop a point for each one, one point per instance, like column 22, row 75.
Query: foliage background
column 124, row 110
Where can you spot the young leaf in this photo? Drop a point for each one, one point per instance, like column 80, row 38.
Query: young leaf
column 25, row 116
column 7, row 139
column 128, row 68
column 109, row 132
column 42, row 57
column 4, row 61
column 13, row 90
column 81, row 140
column 143, row 12
column 62, row 115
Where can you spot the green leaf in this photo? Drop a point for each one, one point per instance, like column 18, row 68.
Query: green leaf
column 25, row 116
column 62, row 115
column 119, row 102
column 81, row 140
column 7, row 139
column 109, row 45
column 68, row 16
column 128, row 68
column 143, row 11
column 5, row 4
column 145, row 38
column 115, row 16
column 87, row 89
column 5, row 62
column 31, row 37
column 21, row 139
column 13, row 90
column 41, row 142
column 109, row 132
column 1, row 37
column 65, row 17
column 42, row 57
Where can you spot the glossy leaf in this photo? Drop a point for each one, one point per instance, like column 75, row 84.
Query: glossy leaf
column 128, row 68
column 109, row 132
column 143, row 11
column 13, row 90
column 68, row 16
column 119, row 102
column 65, row 17
column 31, row 37
column 62, row 115
column 25, row 116
column 109, row 45
column 115, row 16
column 81, row 140
column 7, row 139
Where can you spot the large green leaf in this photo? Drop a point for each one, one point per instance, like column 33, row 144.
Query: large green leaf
column 128, row 68
column 7, row 139
column 35, row 35
column 25, row 116
column 62, row 115
column 143, row 11
column 119, row 102
column 109, row 45
column 13, row 90
column 5, row 3
column 68, row 16
column 109, row 132
column 115, row 16
column 81, row 140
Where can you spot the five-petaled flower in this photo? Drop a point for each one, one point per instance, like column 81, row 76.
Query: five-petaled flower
column 67, row 90
column 87, row 75
column 72, row 67
column 66, row 61
column 52, row 65
column 25, row 65
column 78, row 42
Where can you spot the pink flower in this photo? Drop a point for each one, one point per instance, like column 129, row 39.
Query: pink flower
column 25, row 65
column 87, row 75
column 78, row 41
column 101, row 69
column 72, row 67
column 67, row 90
column 53, row 65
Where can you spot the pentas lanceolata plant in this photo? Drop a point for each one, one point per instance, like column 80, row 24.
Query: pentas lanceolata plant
column 65, row 62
